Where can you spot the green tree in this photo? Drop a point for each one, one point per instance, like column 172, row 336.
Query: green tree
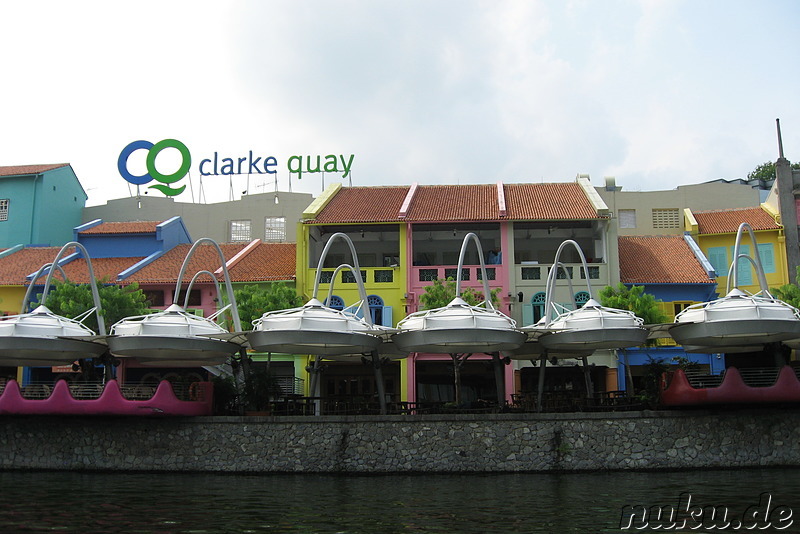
column 789, row 293
column 69, row 300
column 253, row 301
column 441, row 293
column 634, row 299
column 766, row 171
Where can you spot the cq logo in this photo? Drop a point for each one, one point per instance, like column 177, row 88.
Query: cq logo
column 152, row 172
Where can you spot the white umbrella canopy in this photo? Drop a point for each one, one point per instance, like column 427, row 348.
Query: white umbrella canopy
column 41, row 338
column 458, row 328
column 313, row 329
column 44, row 338
column 738, row 322
column 172, row 337
column 582, row 331
column 593, row 327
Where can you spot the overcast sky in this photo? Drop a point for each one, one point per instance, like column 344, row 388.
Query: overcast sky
column 655, row 93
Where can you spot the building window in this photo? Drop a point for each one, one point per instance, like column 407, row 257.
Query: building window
column 275, row 229
column 666, row 218
column 678, row 307
column 336, row 302
column 154, row 298
column 376, row 308
column 627, row 218
column 4, row 209
column 581, row 298
column 531, row 273
column 349, row 278
column 240, row 230
column 384, row 275
column 194, row 297
column 538, row 301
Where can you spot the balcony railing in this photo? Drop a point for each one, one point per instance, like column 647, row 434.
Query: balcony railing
column 471, row 273
column 371, row 275
column 536, row 274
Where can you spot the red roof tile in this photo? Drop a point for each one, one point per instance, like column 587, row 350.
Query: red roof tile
column 22, row 170
column 105, row 269
column 659, row 259
column 556, row 201
column 728, row 221
column 449, row 203
column 138, row 227
column 363, row 204
column 15, row 267
column 267, row 261
column 453, row 203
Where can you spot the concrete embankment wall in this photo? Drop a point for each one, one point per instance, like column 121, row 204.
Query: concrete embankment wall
column 367, row 444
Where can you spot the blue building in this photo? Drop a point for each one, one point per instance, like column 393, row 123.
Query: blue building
column 39, row 204
column 675, row 271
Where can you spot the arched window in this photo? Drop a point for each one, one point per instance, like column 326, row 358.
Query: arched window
column 581, row 298
column 376, row 308
column 336, row 303
column 537, row 302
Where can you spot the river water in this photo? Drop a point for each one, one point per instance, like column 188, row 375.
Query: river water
column 518, row 503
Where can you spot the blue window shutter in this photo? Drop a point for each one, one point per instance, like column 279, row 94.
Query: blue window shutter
column 718, row 256
column 767, row 254
column 527, row 314
column 745, row 267
column 387, row 316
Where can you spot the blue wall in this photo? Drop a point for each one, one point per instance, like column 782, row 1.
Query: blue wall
column 43, row 208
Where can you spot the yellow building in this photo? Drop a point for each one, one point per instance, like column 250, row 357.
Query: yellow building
column 715, row 233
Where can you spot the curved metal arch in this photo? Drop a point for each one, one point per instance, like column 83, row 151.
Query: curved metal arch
column 358, row 277
column 191, row 284
column 101, row 325
column 552, row 275
column 733, row 271
column 362, row 292
column 486, row 293
column 228, row 287
column 29, row 290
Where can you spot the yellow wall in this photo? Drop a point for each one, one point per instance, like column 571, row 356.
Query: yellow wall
column 775, row 237
column 393, row 293
column 11, row 299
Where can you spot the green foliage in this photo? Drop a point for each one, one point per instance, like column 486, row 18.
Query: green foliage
column 643, row 304
column 253, row 301
column 441, row 293
column 70, row 300
column 789, row 293
column 766, row 171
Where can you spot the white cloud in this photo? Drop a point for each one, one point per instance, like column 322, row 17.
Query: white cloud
column 657, row 93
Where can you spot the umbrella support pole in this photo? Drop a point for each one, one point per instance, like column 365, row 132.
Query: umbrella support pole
column 587, row 377
column 377, row 366
column 542, row 367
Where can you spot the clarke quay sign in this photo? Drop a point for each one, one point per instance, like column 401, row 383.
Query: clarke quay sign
column 216, row 166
